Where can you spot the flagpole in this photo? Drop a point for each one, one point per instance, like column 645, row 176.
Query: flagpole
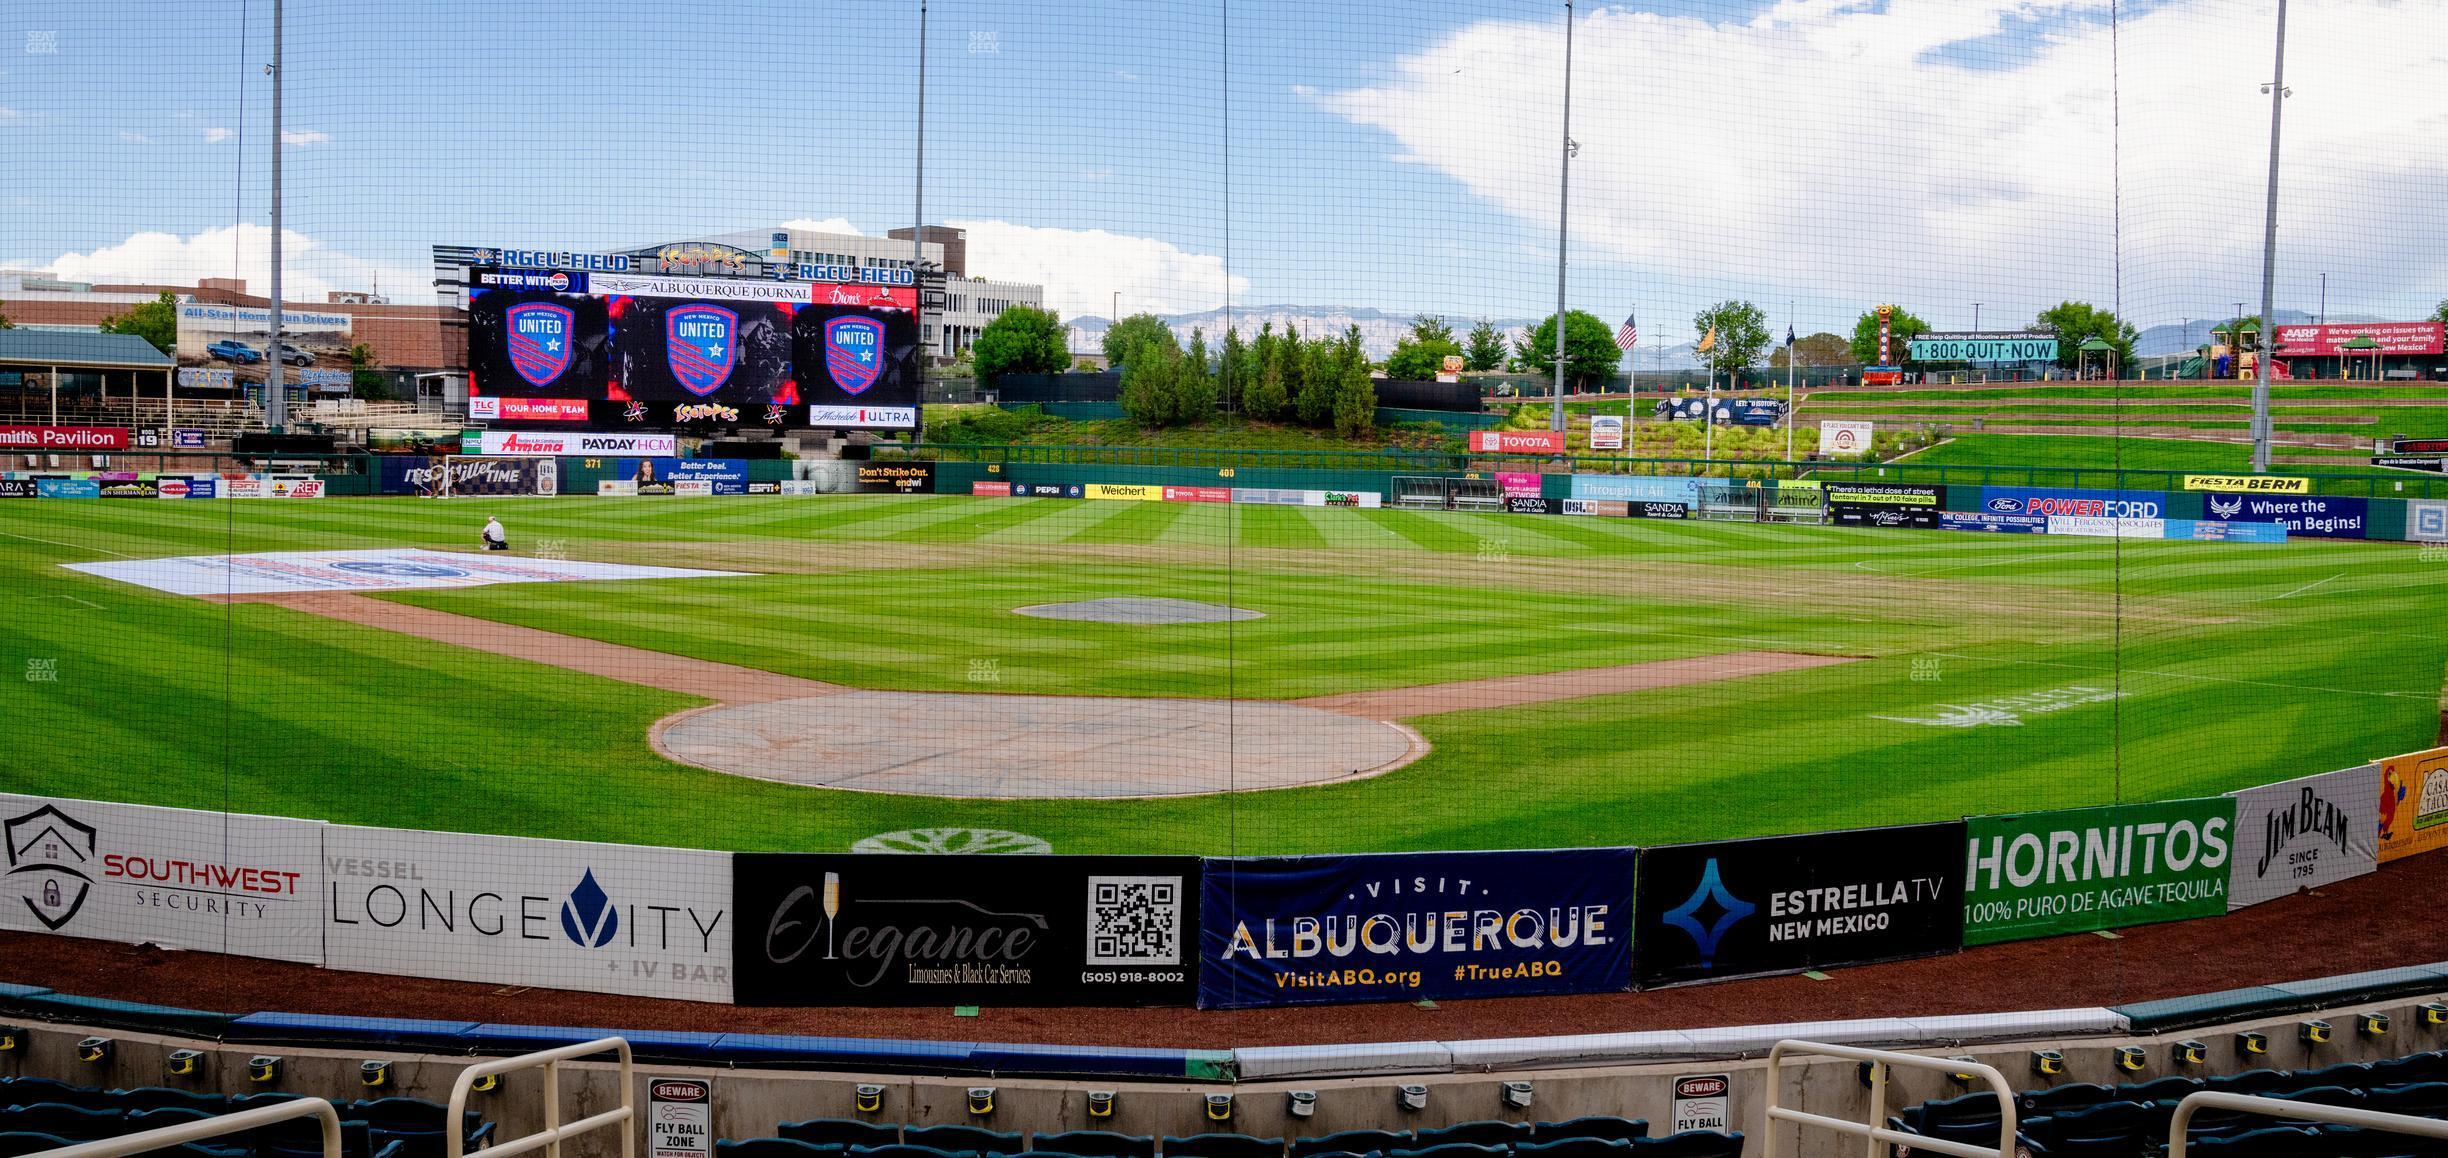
column 1632, row 395
column 1792, row 413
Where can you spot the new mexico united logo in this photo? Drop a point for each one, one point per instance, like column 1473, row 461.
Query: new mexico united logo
column 540, row 340
column 702, row 343
column 854, row 352
column 48, row 852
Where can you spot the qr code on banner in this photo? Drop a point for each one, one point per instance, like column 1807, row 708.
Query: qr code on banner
column 1134, row 920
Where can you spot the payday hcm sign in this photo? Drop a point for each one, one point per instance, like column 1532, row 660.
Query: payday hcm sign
column 2040, row 874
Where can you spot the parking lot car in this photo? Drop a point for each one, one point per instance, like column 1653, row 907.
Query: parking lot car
column 231, row 350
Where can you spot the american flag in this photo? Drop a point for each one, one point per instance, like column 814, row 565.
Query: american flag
column 1629, row 335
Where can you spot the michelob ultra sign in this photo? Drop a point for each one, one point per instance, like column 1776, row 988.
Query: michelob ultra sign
column 2044, row 873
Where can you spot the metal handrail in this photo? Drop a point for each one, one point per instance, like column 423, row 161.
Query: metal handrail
column 2282, row 1108
column 1871, row 1132
column 550, row 1138
column 196, row 1131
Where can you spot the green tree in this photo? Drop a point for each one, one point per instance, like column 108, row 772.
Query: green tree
column 1023, row 339
column 2438, row 315
column 155, row 321
column 1901, row 328
column 1485, row 349
column 2077, row 322
column 1194, row 384
column 1267, row 399
column 1742, row 332
column 1820, row 349
column 1148, row 385
column 1420, row 355
column 1237, row 371
column 1355, row 396
column 1590, row 351
column 6, row 324
column 366, row 382
column 1126, row 335
column 1321, row 376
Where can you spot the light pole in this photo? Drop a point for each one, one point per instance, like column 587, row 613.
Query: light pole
column 918, row 197
column 2324, row 315
column 276, row 404
column 2269, row 260
column 1976, row 316
column 1555, row 420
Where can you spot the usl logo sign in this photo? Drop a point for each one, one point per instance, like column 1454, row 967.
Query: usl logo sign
column 702, row 343
column 49, row 853
column 854, row 352
column 540, row 340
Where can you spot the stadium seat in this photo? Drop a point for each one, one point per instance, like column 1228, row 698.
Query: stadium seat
column 1690, row 1144
column 2396, row 1071
column 839, row 1132
column 1451, row 1150
column 972, row 1139
column 1097, row 1144
column 1486, row 1132
column 156, row 1119
column 1594, row 1126
column 14, row 1144
column 906, row 1150
column 2253, row 1082
column 2140, row 1120
column 2056, row 1099
column 207, row 1149
column 1978, row 1106
column 1351, row 1142
column 2349, row 1142
column 1575, row 1148
column 404, row 1116
column 303, row 1138
column 2272, row 1142
column 34, row 1091
column 776, row 1148
column 2120, row 1146
column 164, row 1097
column 2171, row 1089
column 1222, row 1146
column 63, row 1121
column 2353, row 1075
column 2420, row 1099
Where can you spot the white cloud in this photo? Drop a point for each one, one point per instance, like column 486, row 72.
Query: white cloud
column 828, row 225
column 305, row 137
column 1081, row 268
column 134, row 138
column 309, row 268
column 9, row 114
column 1831, row 147
column 217, row 134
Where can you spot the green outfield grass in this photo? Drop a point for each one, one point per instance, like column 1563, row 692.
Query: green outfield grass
column 2238, row 664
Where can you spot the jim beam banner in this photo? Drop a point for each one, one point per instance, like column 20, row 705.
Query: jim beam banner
column 212, row 882
column 2413, row 803
column 2301, row 833
column 1783, row 904
column 2045, row 873
column 849, row 929
column 1405, row 926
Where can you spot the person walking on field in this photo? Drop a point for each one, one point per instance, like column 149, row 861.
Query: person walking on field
column 495, row 539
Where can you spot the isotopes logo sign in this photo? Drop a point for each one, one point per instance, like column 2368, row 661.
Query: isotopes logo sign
column 2045, row 873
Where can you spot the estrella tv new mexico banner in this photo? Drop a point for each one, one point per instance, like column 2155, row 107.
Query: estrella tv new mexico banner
column 853, row 929
column 1406, row 926
column 1781, row 904
column 2043, row 873
column 2413, row 803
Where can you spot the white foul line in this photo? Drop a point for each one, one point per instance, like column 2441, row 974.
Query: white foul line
column 2309, row 586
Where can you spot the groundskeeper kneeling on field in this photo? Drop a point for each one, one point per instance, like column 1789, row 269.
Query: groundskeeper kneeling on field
column 495, row 539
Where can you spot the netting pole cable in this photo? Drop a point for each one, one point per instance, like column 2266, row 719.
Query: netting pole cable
column 229, row 523
column 2264, row 339
column 2116, row 261
column 1563, row 219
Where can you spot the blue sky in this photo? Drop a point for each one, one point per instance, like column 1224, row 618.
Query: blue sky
column 1830, row 153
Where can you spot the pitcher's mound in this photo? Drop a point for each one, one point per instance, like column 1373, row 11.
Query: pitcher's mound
column 1005, row 747
column 1141, row 611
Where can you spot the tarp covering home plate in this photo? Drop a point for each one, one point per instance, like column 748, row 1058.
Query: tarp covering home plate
column 286, row 572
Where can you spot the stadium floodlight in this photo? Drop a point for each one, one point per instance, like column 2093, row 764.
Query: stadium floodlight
column 2047, row 1063
column 182, row 1063
column 95, row 1050
column 373, row 1075
column 1219, row 1107
column 2130, row 1059
column 1100, row 1103
column 981, row 1101
column 1411, row 1096
column 2313, row 1031
column 869, row 1098
column 1303, row 1103
column 2190, row 1053
column 263, row 1067
column 2252, row 1043
column 1516, row 1095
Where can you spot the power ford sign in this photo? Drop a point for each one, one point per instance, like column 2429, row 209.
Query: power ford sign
column 2066, row 503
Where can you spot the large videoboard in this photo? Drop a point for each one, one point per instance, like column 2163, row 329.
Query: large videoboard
column 835, row 355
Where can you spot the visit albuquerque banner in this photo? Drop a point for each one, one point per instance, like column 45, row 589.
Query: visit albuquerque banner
column 1403, row 926
column 2044, row 873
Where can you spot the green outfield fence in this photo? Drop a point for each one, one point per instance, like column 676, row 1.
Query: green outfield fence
column 2409, row 485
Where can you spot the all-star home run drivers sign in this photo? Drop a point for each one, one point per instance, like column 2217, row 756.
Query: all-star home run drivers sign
column 2045, row 873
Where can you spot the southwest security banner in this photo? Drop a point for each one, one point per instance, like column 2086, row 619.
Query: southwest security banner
column 214, row 882
column 821, row 929
column 2297, row 834
column 1403, row 926
column 2045, row 873
column 1780, row 904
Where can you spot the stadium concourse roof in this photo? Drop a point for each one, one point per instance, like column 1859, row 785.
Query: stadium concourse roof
column 80, row 349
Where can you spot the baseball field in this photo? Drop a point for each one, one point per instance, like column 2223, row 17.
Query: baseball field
column 1544, row 681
